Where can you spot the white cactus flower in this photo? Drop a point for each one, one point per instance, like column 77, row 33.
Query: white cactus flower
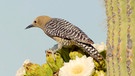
column 100, row 47
column 80, row 67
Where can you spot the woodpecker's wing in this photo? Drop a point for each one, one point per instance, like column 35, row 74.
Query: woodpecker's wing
column 64, row 29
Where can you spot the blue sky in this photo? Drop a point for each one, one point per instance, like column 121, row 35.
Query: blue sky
column 18, row 44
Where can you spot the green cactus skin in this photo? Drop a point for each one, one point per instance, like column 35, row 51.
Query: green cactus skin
column 50, row 59
column 99, row 73
column 47, row 70
column 58, row 60
column 120, row 54
column 36, row 70
column 75, row 54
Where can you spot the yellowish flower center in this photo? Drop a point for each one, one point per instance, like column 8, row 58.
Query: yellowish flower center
column 77, row 69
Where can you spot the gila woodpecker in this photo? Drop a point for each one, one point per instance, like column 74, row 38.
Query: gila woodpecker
column 66, row 34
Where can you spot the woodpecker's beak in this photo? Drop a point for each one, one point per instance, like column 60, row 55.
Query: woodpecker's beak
column 31, row 25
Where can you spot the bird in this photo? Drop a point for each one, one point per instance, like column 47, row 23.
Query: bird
column 65, row 33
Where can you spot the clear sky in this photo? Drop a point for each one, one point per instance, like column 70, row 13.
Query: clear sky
column 18, row 44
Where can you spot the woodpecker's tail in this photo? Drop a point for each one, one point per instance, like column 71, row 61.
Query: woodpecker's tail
column 88, row 48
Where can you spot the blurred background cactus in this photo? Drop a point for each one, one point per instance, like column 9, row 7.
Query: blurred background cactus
column 121, row 37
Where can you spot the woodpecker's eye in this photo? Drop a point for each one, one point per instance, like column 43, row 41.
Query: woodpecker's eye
column 35, row 21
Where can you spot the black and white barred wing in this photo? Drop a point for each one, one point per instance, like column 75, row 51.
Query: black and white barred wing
column 64, row 29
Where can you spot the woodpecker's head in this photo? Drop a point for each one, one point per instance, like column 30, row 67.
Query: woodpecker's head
column 40, row 22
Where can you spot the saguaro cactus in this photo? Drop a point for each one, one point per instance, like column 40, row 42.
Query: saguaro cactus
column 120, row 37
